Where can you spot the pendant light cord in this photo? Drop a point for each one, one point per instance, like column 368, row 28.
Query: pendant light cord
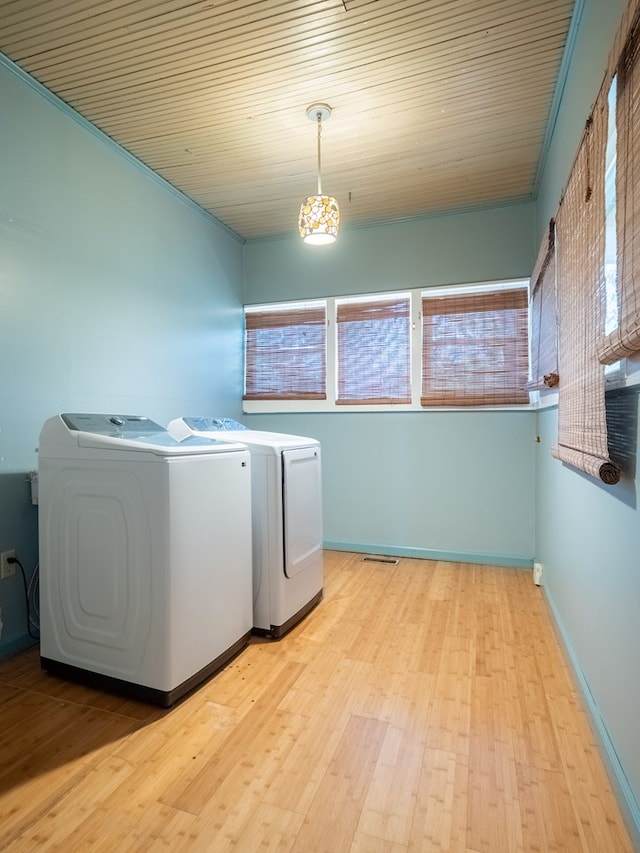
column 319, row 115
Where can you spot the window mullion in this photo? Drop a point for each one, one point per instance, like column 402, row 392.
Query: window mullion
column 332, row 353
column 416, row 347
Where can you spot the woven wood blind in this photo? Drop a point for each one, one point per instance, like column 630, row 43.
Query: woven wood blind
column 374, row 351
column 543, row 318
column 580, row 233
column 625, row 339
column 475, row 349
column 285, row 352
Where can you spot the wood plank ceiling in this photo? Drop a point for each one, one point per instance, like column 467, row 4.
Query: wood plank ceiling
column 438, row 105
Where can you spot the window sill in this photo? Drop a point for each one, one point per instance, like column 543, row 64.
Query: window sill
column 310, row 406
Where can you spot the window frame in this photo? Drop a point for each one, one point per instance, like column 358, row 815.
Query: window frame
column 416, row 295
column 625, row 372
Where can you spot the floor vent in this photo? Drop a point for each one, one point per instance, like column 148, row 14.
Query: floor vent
column 372, row 559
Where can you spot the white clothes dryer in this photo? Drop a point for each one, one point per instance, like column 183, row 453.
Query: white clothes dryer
column 286, row 500
column 145, row 554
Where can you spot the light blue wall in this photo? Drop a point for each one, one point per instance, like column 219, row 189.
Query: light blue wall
column 450, row 485
column 588, row 541
column 115, row 295
column 588, row 535
column 468, row 247
column 439, row 485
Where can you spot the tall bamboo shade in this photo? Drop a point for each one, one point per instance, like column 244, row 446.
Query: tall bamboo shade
column 580, row 232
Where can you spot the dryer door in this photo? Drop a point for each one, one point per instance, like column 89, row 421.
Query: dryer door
column 302, row 499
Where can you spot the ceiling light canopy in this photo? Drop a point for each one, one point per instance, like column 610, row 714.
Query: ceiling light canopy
column 319, row 214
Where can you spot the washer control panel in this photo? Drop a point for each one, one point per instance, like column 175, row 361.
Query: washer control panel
column 111, row 424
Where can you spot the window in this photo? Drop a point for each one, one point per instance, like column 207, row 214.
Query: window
column 543, row 316
column 622, row 193
column 374, row 350
column 377, row 352
column 611, row 310
column 285, row 352
column 613, row 369
column 475, row 349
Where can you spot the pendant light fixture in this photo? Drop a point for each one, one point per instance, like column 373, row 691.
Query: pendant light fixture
column 319, row 214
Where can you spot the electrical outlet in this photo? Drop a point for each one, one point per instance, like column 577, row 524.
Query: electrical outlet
column 7, row 570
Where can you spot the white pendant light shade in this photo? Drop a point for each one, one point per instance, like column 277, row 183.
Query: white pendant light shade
column 319, row 218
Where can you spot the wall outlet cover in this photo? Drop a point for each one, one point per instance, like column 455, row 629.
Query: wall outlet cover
column 7, row 570
column 537, row 573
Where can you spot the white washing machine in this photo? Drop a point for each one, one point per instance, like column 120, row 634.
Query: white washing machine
column 286, row 498
column 145, row 554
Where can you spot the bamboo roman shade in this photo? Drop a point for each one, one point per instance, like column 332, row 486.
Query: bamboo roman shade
column 475, row 349
column 374, row 350
column 580, row 232
column 544, row 332
column 285, row 354
column 625, row 339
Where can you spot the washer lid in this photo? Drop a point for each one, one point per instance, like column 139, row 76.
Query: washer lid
column 270, row 442
column 135, row 432
column 213, row 424
column 274, row 442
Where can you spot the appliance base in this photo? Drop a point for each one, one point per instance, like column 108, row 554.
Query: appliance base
column 152, row 695
column 275, row 632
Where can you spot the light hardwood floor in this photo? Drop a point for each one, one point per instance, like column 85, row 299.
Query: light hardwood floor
column 420, row 707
